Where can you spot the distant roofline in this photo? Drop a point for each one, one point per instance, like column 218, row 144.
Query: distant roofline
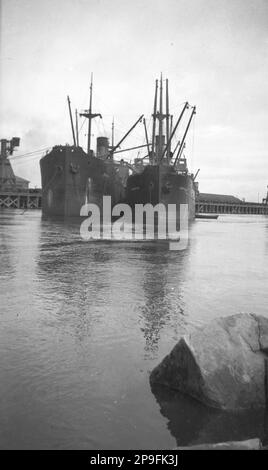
column 218, row 195
column 19, row 178
column 218, row 198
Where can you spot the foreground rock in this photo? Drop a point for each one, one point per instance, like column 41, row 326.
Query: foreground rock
column 222, row 364
column 191, row 423
column 251, row 444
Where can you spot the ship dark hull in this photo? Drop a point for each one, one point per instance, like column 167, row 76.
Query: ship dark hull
column 71, row 178
column 162, row 184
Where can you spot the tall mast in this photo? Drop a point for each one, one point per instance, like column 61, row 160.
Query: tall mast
column 71, row 119
column 154, row 117
column 89, row 119
column 167, row 118
column 113, row 133
column 89, row 115
column 76, row 127
column 160, row 118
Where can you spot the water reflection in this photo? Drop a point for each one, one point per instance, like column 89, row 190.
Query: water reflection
column 85, row 322
column 116, row 276
column 163, row 293
column 9, row 228
column 266, row 233
column 73, row 274
column 191, row 423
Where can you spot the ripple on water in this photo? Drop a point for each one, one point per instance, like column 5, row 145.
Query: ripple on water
column 82, row 325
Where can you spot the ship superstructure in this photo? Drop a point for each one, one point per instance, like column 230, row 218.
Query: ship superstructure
column 164, row 177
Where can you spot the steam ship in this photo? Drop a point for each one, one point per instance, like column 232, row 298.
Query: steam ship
column 71, row 177
column 162, row 175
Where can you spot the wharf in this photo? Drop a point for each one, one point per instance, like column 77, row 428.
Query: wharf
column 205, row 203
column 221, row 204
column 21, row 199
column 14, row 190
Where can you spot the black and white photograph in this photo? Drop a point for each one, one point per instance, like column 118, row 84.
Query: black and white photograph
column 134, row 228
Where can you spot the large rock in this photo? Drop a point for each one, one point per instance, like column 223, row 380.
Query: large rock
column 222, row 364
column 192, row 423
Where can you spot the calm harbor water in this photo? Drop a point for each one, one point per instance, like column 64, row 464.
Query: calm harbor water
column 82, row 324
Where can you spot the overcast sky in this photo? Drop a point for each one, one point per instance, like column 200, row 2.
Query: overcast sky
column 214, row 53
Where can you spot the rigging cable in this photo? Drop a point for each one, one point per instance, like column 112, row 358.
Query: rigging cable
column 12, row 157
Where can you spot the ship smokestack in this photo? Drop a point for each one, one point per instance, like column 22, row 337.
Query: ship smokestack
column 157, row 143
column 102, row 147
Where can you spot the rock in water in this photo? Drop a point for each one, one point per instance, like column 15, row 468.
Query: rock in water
column 222, row 364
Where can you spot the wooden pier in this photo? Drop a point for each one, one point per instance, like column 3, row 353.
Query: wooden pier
column 23, row 199
column 229, row 206
column 32, row 199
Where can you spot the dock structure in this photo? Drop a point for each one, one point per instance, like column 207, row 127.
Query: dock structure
column 32, row 199
column 16, row 194
column 225, row 204
column 21, row 199
column 14, row 190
